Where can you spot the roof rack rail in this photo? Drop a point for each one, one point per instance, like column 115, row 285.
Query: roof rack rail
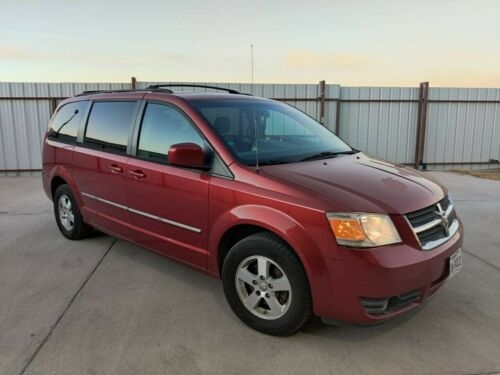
column 231, row 91
column 159, row 88
column 89, row 92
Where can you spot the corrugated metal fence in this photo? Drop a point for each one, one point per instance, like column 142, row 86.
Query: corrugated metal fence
column 436, row 128
column 25, row 110
column 380, row 120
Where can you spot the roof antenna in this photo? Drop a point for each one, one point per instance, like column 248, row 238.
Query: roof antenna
column 256, row 132
column 251, row 57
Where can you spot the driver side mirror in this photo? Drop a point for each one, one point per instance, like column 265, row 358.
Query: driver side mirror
column 189, row 155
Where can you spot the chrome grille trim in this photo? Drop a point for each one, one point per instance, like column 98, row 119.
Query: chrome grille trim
column 432, row 244
column 433, row 223
column 442, row 224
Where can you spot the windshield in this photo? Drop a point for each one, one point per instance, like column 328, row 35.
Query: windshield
column 280, row 133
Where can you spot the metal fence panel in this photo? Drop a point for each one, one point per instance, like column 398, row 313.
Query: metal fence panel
column 463, row 125
column 24, row 89
column 463, row 132
column 23, row 121
column 380, row 120
column 288, row 93
column 22, row 125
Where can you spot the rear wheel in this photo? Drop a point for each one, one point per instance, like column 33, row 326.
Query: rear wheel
column 68, row 216
column 266, row 285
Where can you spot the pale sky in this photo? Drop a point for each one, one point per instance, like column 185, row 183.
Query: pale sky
column 451, row 43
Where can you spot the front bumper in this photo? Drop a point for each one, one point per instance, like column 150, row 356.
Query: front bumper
column 370, row 286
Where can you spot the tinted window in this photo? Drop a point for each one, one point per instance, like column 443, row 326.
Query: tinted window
column 67, row 120
column 109, row 124
column 280, row 133
column 280, row 124
column 163, row 126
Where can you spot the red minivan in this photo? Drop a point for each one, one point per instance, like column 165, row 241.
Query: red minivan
column 293, row 220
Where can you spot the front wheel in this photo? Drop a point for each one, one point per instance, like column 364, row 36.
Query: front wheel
column 266, row 285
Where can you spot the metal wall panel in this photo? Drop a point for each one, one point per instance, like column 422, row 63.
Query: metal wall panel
column 459, row 132
column 372, row 120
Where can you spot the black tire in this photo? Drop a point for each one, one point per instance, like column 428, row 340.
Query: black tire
column 282, row 262
column 75, row 228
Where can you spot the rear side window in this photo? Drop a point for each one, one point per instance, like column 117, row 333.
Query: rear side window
column 65, row 125
column 109, row 124
column 163, row 126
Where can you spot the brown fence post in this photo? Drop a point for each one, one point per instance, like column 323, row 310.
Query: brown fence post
column 423, row 98
column 322, row 89
column 337, row 117
column 133, row 82
column 53, row 104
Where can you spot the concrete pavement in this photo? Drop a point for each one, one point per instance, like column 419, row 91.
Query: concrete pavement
column 101, row 306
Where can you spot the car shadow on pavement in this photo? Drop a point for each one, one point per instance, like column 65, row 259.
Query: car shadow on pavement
column 356, row 332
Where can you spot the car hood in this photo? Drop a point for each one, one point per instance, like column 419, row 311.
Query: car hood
column 360, row 183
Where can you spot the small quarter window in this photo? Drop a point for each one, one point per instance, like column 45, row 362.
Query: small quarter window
column 65, row 125
column 109, row 125
column 163, row 126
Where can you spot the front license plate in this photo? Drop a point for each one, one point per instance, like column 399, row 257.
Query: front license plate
column 455, row 262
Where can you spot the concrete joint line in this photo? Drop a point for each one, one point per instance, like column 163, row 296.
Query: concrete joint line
column 70, row 303
column 476, row 200
column 23, row 213
column 493, row 266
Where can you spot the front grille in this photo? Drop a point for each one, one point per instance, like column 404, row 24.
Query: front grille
column 432, row 234
column 435, row 224
column 427, row 214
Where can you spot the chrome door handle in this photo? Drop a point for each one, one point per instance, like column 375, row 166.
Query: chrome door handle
column 115, row 168
column 138, row 175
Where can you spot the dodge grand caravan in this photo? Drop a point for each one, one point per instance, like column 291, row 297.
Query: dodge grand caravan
column 293, row 220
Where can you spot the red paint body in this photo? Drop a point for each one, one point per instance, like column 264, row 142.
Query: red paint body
column 289, row 200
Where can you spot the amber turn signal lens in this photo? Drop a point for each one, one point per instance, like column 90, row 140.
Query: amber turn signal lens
column 347, row 229
column 360, row 229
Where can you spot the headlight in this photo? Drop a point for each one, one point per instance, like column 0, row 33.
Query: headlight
column 363, row 230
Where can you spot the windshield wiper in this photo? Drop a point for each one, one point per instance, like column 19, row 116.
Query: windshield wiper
column 274, row 162
column 328, row 154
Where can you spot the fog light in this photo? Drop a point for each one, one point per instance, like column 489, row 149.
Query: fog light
column 375, row 305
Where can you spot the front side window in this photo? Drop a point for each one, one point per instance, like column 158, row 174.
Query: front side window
column 163, row 126
column 65, row 125
column 268, row 131
column 109, row 124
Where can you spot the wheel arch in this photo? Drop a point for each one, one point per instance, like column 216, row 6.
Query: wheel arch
column 232, row 236
column 247, row 220
column 55, row 182
column 61, row 175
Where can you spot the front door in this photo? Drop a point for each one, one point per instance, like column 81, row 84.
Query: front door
column 168, row 205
